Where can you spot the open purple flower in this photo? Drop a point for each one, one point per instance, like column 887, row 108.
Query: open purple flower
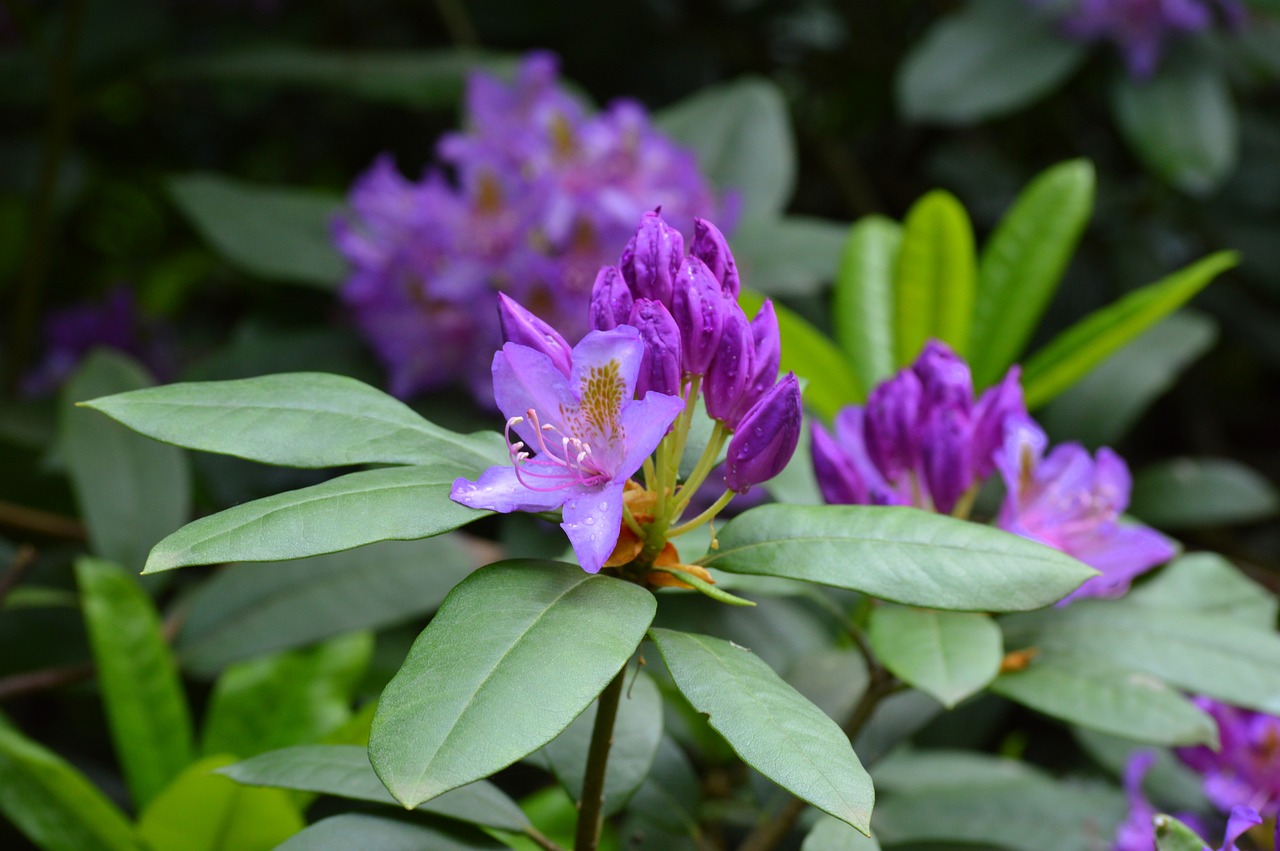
column 580, row 437
column 1072, row 502
column 1246, row 769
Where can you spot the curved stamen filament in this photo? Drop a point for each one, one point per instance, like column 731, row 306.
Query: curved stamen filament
column 570, row 464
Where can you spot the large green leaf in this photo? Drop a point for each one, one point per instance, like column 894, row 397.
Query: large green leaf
column 512, row 635
column 988, row 59
column 344, row 770
column 862, row 304
column 203, row 811
column 131, row 491
column 55, row 806
column 949, row 655
column 636, row 734
column 741, row 134
column 147, row 711
column 1022, row 264
column 1102, row 407
column 1217, row 656
column 288, row 699
column 418, row 78
column 389, row 504
column 1097, row 695
column 275, row 233
column 300, row 419
column 830, row 381
column 829, row 834
column 1181, row 122
column 789, row 256
column 971, row 799
column 670, row 796
column 1169, row 780
column 900, row 554
column 1208, row 584
column 249, row 610
column 1077, row 350
column 769, row 724
column 1192, row 493
column 377, row 833
column 933, row 280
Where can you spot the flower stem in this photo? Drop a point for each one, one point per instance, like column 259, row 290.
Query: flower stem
column 632, row 523
column 709, row 514
column 708, row 460
column 591, row 807
column 964, row 504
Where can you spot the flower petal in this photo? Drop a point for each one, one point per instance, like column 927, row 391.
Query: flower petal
column 498, row 489
column 645, row 422
column 524, row 378
column 592, row 520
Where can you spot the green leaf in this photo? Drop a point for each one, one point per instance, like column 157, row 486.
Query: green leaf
column 301, row 419
column 830, row 834
column 1220, row 657
column 769, row 724
column 1194, row 493
column 1073, row 353
column 273, row 233
column 1173, row 835
column 670, row 796
column 292, row 698
column 1181, row 123
column 933, row 280
column 1024, row 810
column 636, row 734
column 831, row 381
column 344, row 771
column 376, row 833
column 203, row 811
column 949, row 655
column 417, row 78
column 1169, row 781
column 1023, row 262
column 390, row 504
column 900, row 554
column 131, row 491
column 512, row 635
column 741, row 134
column 862, row 304
column 55, row 806
column 1097, row 695
column 988, row 59
column 789, row 256
column 248, row 610
column 146, row 708
column 1107, row 402
column 1208, row 584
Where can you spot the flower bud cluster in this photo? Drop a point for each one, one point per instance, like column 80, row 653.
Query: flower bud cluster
column 698, row 340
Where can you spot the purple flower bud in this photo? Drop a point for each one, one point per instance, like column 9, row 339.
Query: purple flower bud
column 698, row 307
column 892, row 413
column 523, row 328
column 652, row 258
column 944, row 378
column 611, row 300
column 944, row 438
column 660, row 367
column 768, row 351
column 766, row 438
column 710, row 246
column 730, row 371
column 994, row 407
column 838, row 477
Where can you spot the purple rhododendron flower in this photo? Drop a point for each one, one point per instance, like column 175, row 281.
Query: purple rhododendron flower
column 1141, row 28
column 543, row 193
column 581, row 437
column 1072, row 502
column 1246, row 769
column 1138, row 831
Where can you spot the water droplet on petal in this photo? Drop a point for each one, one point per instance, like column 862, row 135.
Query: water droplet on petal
column 590, row 521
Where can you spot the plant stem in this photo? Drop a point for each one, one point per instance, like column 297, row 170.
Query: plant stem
column 40, row 522
column 704, row 466
column 709, row 514
column 23, row 561
column 591, row 807
column 540, row 839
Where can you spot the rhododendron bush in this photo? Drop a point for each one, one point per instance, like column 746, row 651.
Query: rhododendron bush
column 661, row 448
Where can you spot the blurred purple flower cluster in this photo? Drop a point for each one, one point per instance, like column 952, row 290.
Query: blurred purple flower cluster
column 924, row 440
column 1246, row 769
column 1140, row 29
column 540, row 195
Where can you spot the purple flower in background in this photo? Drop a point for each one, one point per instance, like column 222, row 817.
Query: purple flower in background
column 543, row 193
column 1072, row 502
column 1137, row 832
column 922, row 439
column 1246, row 770
column 579, row 437
column 73, row 332
column 1140, row 29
